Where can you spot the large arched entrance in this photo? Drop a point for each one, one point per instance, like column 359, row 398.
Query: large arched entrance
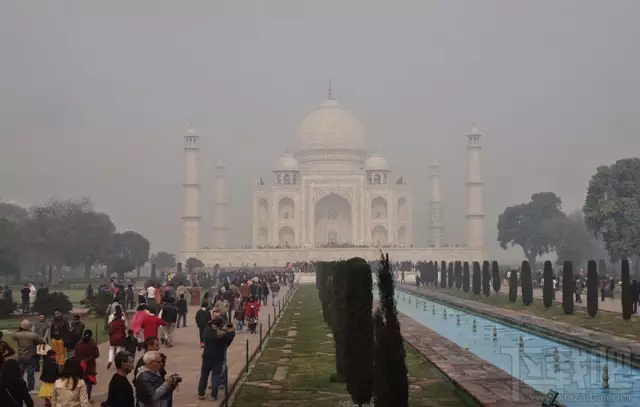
column 286, row 208
column 333, row 221
column 379, row 236
column 286, row 236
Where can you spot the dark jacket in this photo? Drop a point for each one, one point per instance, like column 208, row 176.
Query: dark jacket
column 50, row 370
column 74, row 335
column 169, row 313
column 181, row 305
column 59, row 328
column 88, row 352
column 202, row 317
column 20, row 395
column 120, row 392
column 151, row 389
column 216, row 341
column 117, row 332
column 131, row 344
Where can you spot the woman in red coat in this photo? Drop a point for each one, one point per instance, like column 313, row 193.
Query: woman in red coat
column 87, row 352
column 117, row 333
column 251, row 310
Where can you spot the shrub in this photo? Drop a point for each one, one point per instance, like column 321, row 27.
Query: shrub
column 450, row 275
column 567, row 288
column 7, row 307
column 486, row 279
column 443, row 274
column 625, row 296
column 100, row 302
column 457, row 272
column 513, row 286
column 477, row 279
column 527, row 283
column 47, row 301
column 465, row 277
column 495, row 276
column 180, row 278
column 547, row 290
column 592, row 288
column 340, row 314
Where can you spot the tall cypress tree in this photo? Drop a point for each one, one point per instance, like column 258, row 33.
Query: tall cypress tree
column 476, row 278
column 547, row 289
column 391, row 384
column 486, row 279
column 443, row 274
column 465, row 277
column 592, row 288
column 153, row 270
column 513, row 286
column 527, row 283
column 458, row 274
column 625, row 296
column 450, row 275
column 340, row 313
column 179, row 268
column 567, row 287
column 359, row 335
column 495, row 276
column 436, row 281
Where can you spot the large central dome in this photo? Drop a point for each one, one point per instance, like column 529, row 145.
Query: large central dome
column 330, row 127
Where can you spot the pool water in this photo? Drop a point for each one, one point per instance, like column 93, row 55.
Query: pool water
column 573, row 372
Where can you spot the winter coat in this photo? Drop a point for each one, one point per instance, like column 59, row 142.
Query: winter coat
column 245, row 291
column 50, row 370
column 88, row 352
column 151, row 389
column 216, row 341
column 74, row 335
column 117, row 332
column 150, row 324
column 63, row 396
column 26, row 343
column 169, row 313
column 202, row 317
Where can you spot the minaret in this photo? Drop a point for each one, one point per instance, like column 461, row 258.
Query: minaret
column 436, row 230
column 220, row 230
column 191, row 216
column 475, row 216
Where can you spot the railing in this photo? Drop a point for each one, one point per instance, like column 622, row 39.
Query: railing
column 249, row 358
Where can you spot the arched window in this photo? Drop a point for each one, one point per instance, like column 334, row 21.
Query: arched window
column 377, row 179
column 287, row 179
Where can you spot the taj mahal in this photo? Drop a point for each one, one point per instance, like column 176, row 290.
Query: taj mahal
column 330, row 199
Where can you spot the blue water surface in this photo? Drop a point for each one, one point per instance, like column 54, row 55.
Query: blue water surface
column 577, row 375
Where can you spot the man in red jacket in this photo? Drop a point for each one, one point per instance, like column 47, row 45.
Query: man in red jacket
column 150, row 324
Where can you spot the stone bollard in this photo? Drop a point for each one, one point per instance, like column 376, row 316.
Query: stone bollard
column 474, row 326
column 495, row 333
column 605, row 377
column 444, row 313
column 521, row 343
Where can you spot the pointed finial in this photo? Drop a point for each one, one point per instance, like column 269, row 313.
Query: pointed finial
column 190, row 129
column 474, row 128
column 286, row 150
column 330, row 91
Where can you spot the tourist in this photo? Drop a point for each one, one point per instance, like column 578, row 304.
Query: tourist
column 59, row 331
column 265, row 292
column 87, row 352
column 239, row 316
column 75, row 334
column 151, row 389
column 181, row 290
column 142, row 297
column 635, row 293
column 151, row 299
column 245, row 290
column 13, row 390
column 170, row 317
column 217, row 338
column 48, row 377
column 150, row 325
column 182, row 307
column 578, row 290
column 120, row 391
column 32, row 294
column 275, row 289
column 25, row 292
column 195, row 295
column 70, row 390
column 222, row 305
column 603, row 290
column 150, row 345
column 26, row 342
column 117, row 334
column 251, row 312
column 131, row 343
column 202, row 320
column 6, row 350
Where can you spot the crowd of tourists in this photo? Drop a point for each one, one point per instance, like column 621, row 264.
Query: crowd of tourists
column 65, row 353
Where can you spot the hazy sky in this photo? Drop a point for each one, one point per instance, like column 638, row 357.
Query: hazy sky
column 95, row 97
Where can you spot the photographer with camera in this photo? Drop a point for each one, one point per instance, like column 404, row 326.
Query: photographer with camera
column 151, row 389
column 217, row 338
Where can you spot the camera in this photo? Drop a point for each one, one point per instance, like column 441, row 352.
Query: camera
column 176, row 378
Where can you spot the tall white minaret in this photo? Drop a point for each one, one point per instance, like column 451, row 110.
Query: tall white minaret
column 475, row 216
column 191, row 216
column 436, row 230
column 220, row 202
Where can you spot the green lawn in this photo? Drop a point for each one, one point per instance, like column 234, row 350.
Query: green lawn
column 604, row 321
column 312, row 361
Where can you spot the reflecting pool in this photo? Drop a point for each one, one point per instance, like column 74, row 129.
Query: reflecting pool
column 539, row 362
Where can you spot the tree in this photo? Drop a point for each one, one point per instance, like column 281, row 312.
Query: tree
column 625, row 295
column 450, row 275
column 391, row 384
column 575, row 242
column 548, row 291
column 513, row 286
column 612, row 209
column 13, row 213
column 465, row 277
column 91, row 239
column 359, row 335
column 592, row 288
column 486, row 278
column 164, row 260
column 458, row 274
column 476, row 278
column 495, row 276
column 10, row 248
column 526, row 282
column 128, row 251
column 193, row 263
column 139, row 249
column 531, row 225
column 567, row 288
column 339, row 310
column 443, row 274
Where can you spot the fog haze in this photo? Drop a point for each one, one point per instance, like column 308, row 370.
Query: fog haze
column 95, row 98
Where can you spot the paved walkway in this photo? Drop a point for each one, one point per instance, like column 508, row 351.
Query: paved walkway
column 185, row 358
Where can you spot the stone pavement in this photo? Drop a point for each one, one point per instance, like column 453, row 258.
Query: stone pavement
column 184, row 358
column 486, row 383
column 602, row 343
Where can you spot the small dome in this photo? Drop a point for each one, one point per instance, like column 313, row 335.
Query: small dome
column 376, row 162
column 286, row 163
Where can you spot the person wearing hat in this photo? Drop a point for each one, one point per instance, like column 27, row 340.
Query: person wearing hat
column 27, row 343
